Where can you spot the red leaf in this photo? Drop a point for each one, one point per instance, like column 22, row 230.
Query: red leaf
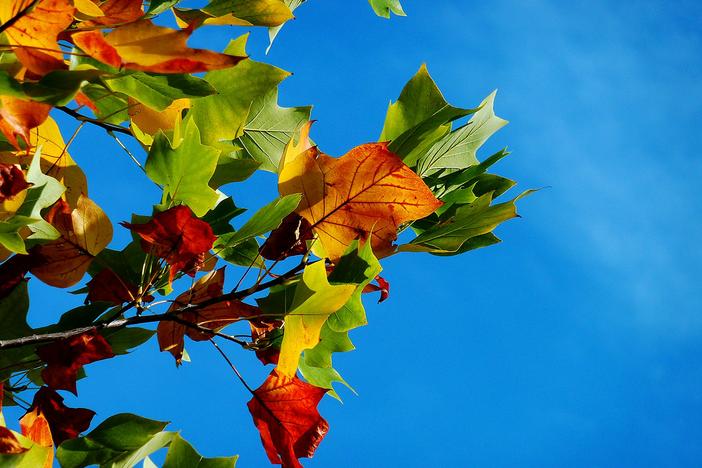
column 261, row 334
column 177, row 236
column 109, row 287
column 285, row 413
column 65, row 357
column 65, row 423
column 118, row 12
column 171, row 334
column 288, row 239
column 383, row 286
column 13, row 271
column 12, row 181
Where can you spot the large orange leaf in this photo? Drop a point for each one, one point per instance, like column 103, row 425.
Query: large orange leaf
column 64, row 358
column 36, row 428
column 18, row 117
column 285, row 413
column 85, row 232
column 368, row 192
column 144, row 46
column 171, row 335
column 34, row 34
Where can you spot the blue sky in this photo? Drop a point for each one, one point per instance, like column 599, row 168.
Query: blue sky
column 575, row 342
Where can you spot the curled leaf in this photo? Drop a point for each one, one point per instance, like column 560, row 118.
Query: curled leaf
column 65, row 357
column 285, row 413
column 12, row 181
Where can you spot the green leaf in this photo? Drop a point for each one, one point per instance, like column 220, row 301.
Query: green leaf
column 316, row 363
column 383, row 8
column 419, row 118
column 125, row 431
column 230, row 168
column 219, row 218
column 221, row 117
column 159, row 91
column 112, row 107
column 457, row 150
column 264, row 220
column 125, row 339
column 254, row 12
column 269, row 128
column 184, row 171
column 243, row 254
column 32, row 458
column 157, row 7
column 475, row 219
column 57, row 88
column 273, row 32
column 182, row 455
column 13, row 314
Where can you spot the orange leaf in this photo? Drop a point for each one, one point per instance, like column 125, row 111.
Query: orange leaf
column 34, row 35
column 116, row 12
column 18, row 117
column 214, row 317
column 177, row 236
column 59, row 423
column 285, row 413
column 368, row 192
column 65, row 357
column 36, row 428
column 85, row 232
column 144, row 46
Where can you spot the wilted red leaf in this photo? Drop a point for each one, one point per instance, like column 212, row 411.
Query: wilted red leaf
column 144, row 46
column 368, row 192
column 171, row 334
column 177, row 236
column 64, row 422
column 285, row 413
column 12, row 181
column 109, row 287
column 288, row 239
column 383, row 286
column 65, row 357
column 85, row 232
column 18, row 117
column 34, row 35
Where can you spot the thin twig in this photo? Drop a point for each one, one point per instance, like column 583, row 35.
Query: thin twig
column 231, row 364
column 99, row 123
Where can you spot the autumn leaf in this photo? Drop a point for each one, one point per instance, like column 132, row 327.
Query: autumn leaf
column 18, row 117
column 144, row 46
column 35, row 34
column 12, row 181
column 109, row 287
column 151, row 121
column 285, row 413
column 216, row 316
column 117, row 12
column 237, row 13
column 367, row 193
column 176, row 236
column 288, row 239
column 314, row 301
column 65, row 423
column 382, row 286
column 36, row 428
column 65, row 357
column 85, row 231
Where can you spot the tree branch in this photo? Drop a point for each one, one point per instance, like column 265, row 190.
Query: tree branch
column 174, row 315
column 107, row 126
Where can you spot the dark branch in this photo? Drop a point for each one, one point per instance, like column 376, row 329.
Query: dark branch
column 107, row 126
column 8, row 24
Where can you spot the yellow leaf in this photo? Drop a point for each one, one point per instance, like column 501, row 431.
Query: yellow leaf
column 85, row 232
column 88, row 8
column 367, row 193
column 151, row 121
column 35, row 33
column 314, row 301
column 144, row 46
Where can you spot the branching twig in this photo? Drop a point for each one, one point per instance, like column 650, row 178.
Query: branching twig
column 107, row 126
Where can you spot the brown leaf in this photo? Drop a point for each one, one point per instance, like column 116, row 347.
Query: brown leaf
column 285, row 413
column 85, row 232
column 8, row 443
column 12, row 181
column 367, row 193
column 64, row 422
column 171, row 334
column 288, row 239
column 177, row 236
column 65, row 357
column 144, row 46
column 34, row 35
column 18, row 117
